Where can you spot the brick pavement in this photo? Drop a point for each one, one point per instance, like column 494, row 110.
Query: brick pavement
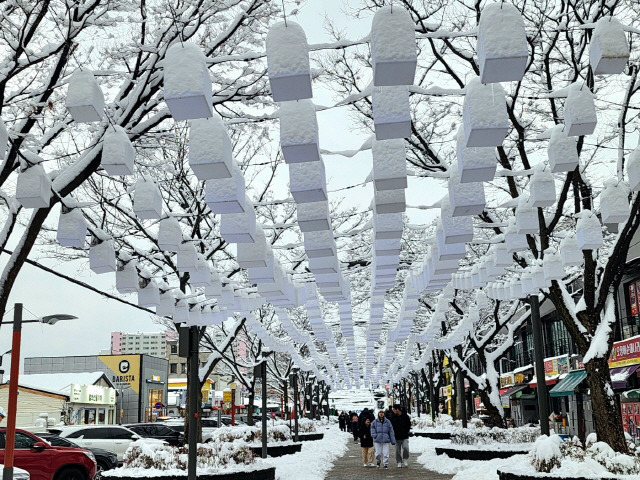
column 349, row 467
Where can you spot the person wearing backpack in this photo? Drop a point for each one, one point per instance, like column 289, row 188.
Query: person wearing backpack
column 383, row 435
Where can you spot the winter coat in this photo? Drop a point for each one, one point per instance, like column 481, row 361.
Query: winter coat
column 342, row 420
column 366, row 441
column 401, row 425
column 366, row 413
column 354, row 423
column 382, row 432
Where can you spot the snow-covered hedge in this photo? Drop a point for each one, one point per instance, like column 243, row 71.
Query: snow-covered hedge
column 275, row 433
column 442, row 421
column 485, row 435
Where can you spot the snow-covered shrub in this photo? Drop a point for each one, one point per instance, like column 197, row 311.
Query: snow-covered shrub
column 614, row 462
column 546, row 453
column 485, row 435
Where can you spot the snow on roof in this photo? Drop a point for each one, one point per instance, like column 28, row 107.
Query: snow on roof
column 59, row 382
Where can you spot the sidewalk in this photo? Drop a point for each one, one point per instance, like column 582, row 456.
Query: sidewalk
column 349, row 467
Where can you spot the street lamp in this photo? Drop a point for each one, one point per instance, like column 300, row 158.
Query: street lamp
column 7, row 472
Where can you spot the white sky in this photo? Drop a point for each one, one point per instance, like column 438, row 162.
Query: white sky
column 43, row 293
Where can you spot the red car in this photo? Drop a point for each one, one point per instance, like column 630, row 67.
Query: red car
column 46, row 462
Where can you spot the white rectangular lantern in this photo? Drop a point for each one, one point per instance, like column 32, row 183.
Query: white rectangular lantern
column 515, row 242
column 389, row 201
column 166, row 305
column 239, row 227
column 502, row 43
column 526, row 217
column 484, row 114
column 169, row 234
column 579, row 111
column 614, row 202
column 608, row 49
column 210, row 151
column 187, row 86
column 389, row 164
column 299, row 132
column 102, row 256
column 72, row 228
column 391, row 112
column 387, row 225
column 118, row 154
column 201, row 277
column 451, row 251
column 552, row 265
column 127, row 277
column 388, row 246
column 254, row 254
column 393, row 47
column 589, row 231
column 324, row 265
column 288, row 62
column 319, row 244
column 187, row 258
column 147, row 199
column 33, row 187
column 562, row 150
column 542, row 188
column 307, row 182
column 570, row 254
column 226, row 195
column 4, row 140
column 475, row 164
column 85, row 100
column 149, row 296
column 633, row 170
column 455, row 229
column 313, row 216
column 465, row 198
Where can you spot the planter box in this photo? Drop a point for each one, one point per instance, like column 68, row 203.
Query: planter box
column 391, row 112
column 118, row 154
column 393, row 47
column 478, row 454
column 288, row 62
column 608, row 49
column 262, row 474
column 85, row 100
column 484, row 114
column 389, row 164
column 541, row 476
column 210, row 152
column 299, row 132
column 308, row 437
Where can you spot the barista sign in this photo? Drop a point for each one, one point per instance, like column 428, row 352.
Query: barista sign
column 124, row 370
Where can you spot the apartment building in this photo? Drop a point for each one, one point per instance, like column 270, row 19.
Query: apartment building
column 153, row 344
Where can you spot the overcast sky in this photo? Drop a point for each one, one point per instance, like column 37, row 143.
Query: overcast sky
column 44, row 294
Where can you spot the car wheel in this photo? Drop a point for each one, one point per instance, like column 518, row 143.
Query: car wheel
column 101, row 467
column 71, row 474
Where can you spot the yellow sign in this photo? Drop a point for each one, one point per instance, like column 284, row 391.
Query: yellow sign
column 448, row 390
column 155, row 378
column 182, row 383
column 125, row 370
column 226, row 396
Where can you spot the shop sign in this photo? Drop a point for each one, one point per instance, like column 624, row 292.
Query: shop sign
column 477, row 401
column 506, row 380
column 519, row 378
column 555, row 366
column 92, row 394
column 449, row 390
column 155, row 378
column 625, row 352
column 226, row 396
column 125, row 370
column 633, row 297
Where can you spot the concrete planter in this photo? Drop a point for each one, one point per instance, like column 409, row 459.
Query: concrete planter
column 478, row 454
column 278, row 450
column 262, row 474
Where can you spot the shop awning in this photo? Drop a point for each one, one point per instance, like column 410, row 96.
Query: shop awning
column 620, row 375
column 568, row 384
column 508, row 392
column 548, row 380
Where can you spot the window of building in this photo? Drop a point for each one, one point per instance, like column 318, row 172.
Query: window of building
column 174, row 348
column 183, row 368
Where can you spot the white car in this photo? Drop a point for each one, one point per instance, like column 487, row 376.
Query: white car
column 18, row 473
column 113, row 438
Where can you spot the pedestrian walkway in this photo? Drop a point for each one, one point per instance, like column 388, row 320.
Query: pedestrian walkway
column 349, row 467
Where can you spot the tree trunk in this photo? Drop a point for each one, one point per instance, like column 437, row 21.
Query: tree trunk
column 492, row 410
column 252, row 397
column 186, row 417
column 606, row 411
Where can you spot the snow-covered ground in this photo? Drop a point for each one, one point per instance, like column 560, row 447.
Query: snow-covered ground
column 316, row 457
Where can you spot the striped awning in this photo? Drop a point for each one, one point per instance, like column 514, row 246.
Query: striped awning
column 568, row 385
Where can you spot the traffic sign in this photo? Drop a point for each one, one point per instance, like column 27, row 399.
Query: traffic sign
column 158, row 405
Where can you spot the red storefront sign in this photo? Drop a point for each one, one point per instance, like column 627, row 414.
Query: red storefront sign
column 633, row 300
column 625, row 352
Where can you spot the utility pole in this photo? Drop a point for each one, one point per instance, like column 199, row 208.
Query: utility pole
column 462, row 398
column 538, row 352
column 193, row 385
column 294, row 379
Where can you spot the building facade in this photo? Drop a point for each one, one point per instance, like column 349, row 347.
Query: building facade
column 153, row 344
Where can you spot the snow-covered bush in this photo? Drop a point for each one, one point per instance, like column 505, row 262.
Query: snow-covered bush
column 546, row 453
column 485, row 436
column 616, row 463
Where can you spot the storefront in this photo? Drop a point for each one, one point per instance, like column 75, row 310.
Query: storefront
column 624, row 367
column 523, row 408
column 177, row 391
column 92, row 405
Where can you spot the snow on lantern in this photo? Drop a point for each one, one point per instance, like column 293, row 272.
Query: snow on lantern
column 588, row 231
column 456, row 229
column 515, row 288
column 562, row 151
column 126, row 275
column 149, row 294
column 484, row 114
column 608, row 49
column 214, row 289
column 542, row 188
column 389, row 164
column 187, row 258
column 448, row 251
column 210, row 151
column 85, row 100
column 33, row 187
column 4, row 140
column 614, row 202
column 319, row 244
column 570, row 254
column 307, row 181
column 169, row 234
column 526, row 281
column 387, row 225
column 118, row 154
column 313, row 216
column 537, row 274
column 102, row 255
column 147, row 199
column 195, row 315
column 502, row 256
column 254, row 254
column 514, row 241
column 633, row 169
column 181, row 312
column 387, row 246
column 502, row 44
column 526, row 217
column 288, row 62
column 389, row 201
column 579, row 111
column 299, row 132
column 552, row 266
column 393, row 47
column 239, row 227
column 391, row 112
column 475, row 164
column 187, row 86
column 226, row 195
column 324, row 265
column 72, row 227
column 466, row 199
column 263, row 274
column 167, row 304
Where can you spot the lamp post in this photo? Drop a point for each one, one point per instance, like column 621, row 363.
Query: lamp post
column 10, row 435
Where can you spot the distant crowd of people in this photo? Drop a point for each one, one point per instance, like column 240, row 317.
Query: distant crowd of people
column 377, row 433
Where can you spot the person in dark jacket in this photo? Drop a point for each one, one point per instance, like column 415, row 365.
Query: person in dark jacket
column 382, row 434
column 348, row 420
column 342, row 421
column 354, row 426
column 366, row 442
column 366, row 413
column 401, row 427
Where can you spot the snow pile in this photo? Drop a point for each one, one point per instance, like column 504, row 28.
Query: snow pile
column 287, row 49
column 487, row 436
column 546, row 453
column 277, row 433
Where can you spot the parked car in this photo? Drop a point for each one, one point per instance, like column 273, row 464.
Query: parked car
column 113, row 438
column 18, row 473
column 104, row 459
column 159, row 431
column 178, row 426
column 46, row 462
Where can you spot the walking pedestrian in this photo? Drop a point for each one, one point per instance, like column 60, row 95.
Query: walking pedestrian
column 366, row 413
column 366, row 443
column 348, row 420
column 354, row 427
column 382, row 434
column 401, row 427
column 342, row 421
